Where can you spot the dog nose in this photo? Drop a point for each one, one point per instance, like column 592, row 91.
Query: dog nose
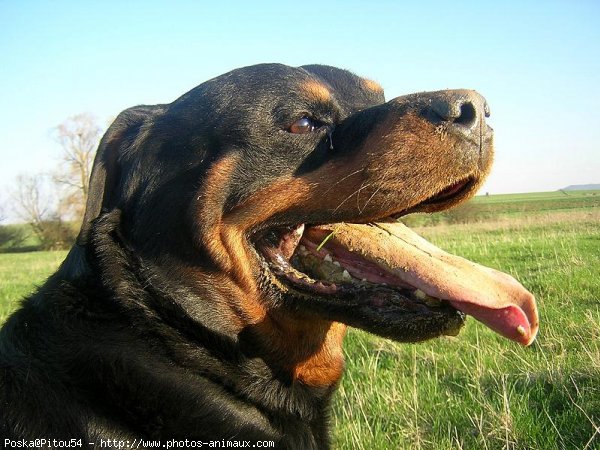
column 460, row 107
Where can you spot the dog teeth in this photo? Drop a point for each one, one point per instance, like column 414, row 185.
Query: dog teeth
column 420, row 294
column 427, row 299
column 346, row 275
column 521, row 330
column 328, row 258
column 335, row 263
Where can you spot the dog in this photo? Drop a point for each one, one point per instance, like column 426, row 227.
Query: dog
column 201, row 299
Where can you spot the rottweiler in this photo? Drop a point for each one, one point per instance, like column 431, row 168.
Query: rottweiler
column 229, row 239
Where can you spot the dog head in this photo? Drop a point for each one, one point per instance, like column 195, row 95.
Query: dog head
column 233, row 188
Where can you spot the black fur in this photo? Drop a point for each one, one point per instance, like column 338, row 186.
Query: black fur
column 132, row 338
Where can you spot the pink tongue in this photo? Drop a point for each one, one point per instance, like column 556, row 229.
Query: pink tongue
column 492, row 297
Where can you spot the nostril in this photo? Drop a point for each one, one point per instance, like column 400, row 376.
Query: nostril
column 458, row 108
column 445, row 110
column 468, row 115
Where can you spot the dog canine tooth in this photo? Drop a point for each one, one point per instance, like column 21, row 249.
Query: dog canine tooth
column 328, row 258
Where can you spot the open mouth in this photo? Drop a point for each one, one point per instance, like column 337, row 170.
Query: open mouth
column 401, row 279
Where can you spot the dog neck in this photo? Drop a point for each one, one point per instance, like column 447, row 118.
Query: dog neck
column 307, row 350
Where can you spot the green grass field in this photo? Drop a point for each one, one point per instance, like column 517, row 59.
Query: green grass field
column 20, row 273
column 475, row 391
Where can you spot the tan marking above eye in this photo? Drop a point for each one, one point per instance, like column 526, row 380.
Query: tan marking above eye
column 315, row 90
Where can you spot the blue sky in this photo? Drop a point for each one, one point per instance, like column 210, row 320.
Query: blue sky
column 537, row 63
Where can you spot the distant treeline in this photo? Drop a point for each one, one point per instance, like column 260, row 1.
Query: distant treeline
column 61, row 234
column 484, row 208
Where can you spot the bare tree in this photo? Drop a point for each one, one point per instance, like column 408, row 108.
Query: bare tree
column 78, row 136
column 35, row 205
column 54, row 205
column 32, row 203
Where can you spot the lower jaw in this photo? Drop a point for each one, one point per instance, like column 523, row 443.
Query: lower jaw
column 378, row 310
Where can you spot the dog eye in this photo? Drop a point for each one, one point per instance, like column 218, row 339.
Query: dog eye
column 304, row 125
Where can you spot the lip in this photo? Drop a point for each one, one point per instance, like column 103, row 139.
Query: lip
column 452, row 194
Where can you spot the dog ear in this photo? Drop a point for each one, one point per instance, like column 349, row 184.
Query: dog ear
column 121, row 134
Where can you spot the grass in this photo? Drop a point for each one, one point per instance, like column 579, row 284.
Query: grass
column 478, row 390
column 20, row 273
column 511, row 206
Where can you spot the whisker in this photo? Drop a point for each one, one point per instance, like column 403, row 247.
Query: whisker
column 363, row 186
column 369, row 199
column 342, row 179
